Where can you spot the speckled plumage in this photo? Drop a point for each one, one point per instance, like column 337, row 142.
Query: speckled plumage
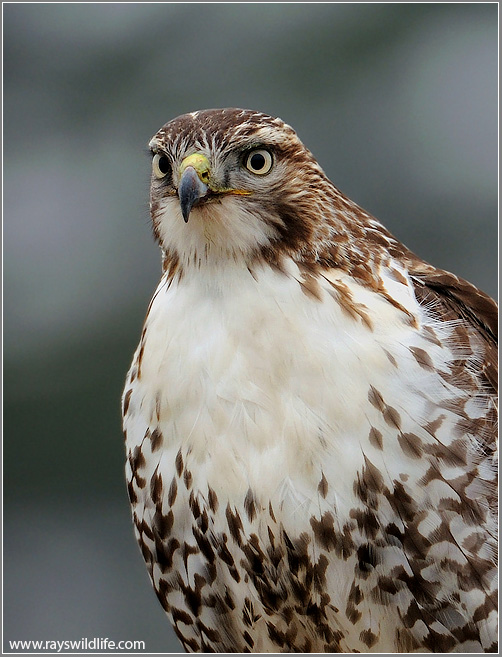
column 310, row 415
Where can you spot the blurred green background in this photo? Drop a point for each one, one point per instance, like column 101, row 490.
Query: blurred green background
column 397, row 101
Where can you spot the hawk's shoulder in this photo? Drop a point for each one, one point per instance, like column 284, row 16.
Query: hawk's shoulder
column 454, row 298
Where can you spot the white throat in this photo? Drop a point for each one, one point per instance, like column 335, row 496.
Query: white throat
column 218, row 233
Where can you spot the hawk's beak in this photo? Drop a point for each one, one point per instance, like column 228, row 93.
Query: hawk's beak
column 194, row 178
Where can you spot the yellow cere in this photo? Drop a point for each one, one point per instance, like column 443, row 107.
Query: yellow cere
column 200, row 163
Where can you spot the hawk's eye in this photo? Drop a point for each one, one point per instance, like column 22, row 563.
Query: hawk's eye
column 258, row 161
column 161, row 165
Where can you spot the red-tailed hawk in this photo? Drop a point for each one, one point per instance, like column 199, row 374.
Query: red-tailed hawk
column 310, row 415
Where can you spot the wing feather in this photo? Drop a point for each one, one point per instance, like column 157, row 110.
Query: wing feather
column 456, row 298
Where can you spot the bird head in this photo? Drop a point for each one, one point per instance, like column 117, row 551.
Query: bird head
column 232, row 184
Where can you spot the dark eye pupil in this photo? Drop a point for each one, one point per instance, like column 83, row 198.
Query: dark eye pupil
column 257, row 161
column 163, row 164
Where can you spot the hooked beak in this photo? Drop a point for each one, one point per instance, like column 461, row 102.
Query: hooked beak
column 190, row 191
column 192, row 188
column 196, row 184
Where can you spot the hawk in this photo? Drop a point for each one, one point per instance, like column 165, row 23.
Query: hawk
column 310, row 414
